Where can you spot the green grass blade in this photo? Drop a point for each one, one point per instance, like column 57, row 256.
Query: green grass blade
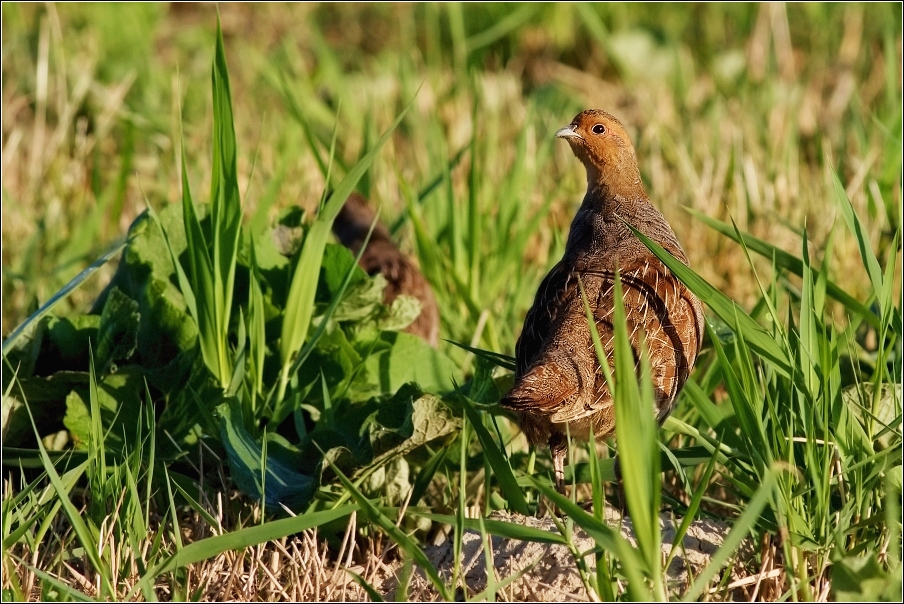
column 425, row 476
column 757, row 337
column 403, row 541
column 500, row 360
column 61, row 295
column 197, row 284
column 870, row 262
column 747, row 414
column 501, row 28
column 242, row 538
column 786, row 261
column 691, row 512
column 592, row 21
column 192, row 503
column 738, row 533
column 497, row 460
column 636, row 425
column 257, row 335
column 82, row 532
column 632, row 563
column 300, row 303
column 509, row 530
column 225, row 205
column 64, row 588
column 337, row 300
column 372, row 593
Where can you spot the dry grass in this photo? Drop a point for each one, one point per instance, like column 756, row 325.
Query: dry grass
column 79, row 164
column 759, row 160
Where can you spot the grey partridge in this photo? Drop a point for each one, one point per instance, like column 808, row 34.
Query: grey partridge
column 382, row 255
column 560, row 388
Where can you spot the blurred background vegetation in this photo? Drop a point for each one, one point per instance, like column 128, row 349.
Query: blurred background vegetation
column 737, row 110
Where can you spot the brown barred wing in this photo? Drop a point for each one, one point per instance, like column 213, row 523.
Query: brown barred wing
column 554, row 292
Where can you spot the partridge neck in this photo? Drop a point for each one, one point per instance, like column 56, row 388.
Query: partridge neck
column 623, row 195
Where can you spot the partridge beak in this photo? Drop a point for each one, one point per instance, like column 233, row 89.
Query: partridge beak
column 567, row 133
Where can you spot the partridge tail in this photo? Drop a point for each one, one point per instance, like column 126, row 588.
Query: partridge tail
column 543, row 388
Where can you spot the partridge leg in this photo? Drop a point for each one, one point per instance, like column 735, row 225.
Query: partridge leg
column 620, row 488
column 558, row 446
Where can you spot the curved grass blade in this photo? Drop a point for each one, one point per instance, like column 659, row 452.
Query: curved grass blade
column 84, row 534
column 749, row 417
column 62, row 586
column 501, row 467
column 737, row 534
column 300, row 302
column 240, row 539
column 786, row 261
column 870, row 262
column 635, row 424
column 501, row 28
column 692, row 508
column 607, row 538
column 756, row 336
column 498, row 359
column 371, row 591
column 425, row 476
column 405, row 543
column 509, row 530
column 61, row 295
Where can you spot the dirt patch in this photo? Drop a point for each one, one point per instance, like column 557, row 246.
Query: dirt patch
column 548, row 571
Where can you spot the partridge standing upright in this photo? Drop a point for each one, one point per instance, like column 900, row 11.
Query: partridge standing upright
column 559, row 386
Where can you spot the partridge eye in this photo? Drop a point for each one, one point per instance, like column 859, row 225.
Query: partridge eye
column 598, row 129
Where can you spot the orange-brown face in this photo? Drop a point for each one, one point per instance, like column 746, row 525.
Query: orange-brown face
column 599, row 141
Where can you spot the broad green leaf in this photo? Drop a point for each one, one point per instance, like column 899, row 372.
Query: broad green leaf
column 334, row 269
column 863, row 579
column 65, row 345
column 384, row 428
column 117, row 336
column 401, row 358
column 403, row 311
column 283, row 484
column 410, row 419
column 119, row 402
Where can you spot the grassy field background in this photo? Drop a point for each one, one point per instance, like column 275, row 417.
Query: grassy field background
column 740, row 114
